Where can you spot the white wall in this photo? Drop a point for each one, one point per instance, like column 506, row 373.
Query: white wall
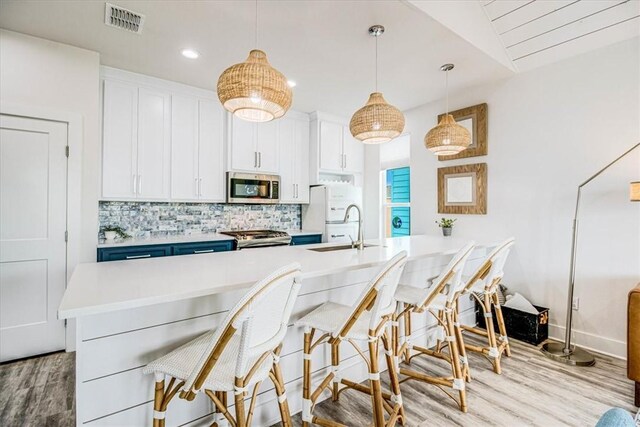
column 549, row 130
column 47, row 75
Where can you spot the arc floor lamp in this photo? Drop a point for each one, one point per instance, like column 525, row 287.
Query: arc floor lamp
column 564, row 352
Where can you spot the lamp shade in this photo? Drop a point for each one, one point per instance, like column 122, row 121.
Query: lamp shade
column 634, row 191
column 253, row 90
column 447, row 138
column 376, row 122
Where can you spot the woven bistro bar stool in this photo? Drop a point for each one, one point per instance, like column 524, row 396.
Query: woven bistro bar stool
column 367, row 320
column 240, row 354
column 485, row 282
column 440, row 299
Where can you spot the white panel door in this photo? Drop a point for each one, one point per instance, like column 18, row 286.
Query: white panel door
column 267, row 147
column 287, row 143
column 243, row 145
column 120, row 134
column 184, row 148
column 211, row 163
column 33, row 187
column 331, row 146
column 353, row 153
column 301, row 161
column 154, row 144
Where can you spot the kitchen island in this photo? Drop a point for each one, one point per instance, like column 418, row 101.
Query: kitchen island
column 129, row 313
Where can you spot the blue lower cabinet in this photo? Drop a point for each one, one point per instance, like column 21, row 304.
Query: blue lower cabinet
column 153, row 251
column 133, row 252
column 306, row 240
column 202, row 248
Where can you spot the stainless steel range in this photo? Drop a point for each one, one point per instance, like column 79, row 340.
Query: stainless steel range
column 258, row 238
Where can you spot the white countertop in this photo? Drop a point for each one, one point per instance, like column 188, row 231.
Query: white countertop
column 192, row 238
column 118, row 285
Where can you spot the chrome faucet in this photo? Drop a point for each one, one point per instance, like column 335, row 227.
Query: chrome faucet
column 359, row 244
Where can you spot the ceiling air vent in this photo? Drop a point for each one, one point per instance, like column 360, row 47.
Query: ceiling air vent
column 119, row 17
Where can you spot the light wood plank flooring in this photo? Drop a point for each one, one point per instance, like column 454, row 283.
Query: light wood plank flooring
column 531, row 391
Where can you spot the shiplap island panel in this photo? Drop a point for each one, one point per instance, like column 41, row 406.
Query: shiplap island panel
column 131, row 312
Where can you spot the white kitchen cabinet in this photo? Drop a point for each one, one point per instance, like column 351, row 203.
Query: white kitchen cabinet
column 119, row 150
column 293, row 137
column 137, row 142
column 154, row 144
column 254, row 146
column 184, row 148
column 331, row 154
column 211, row 148
column 353, row 151
column 197, row 145
column 336, row 156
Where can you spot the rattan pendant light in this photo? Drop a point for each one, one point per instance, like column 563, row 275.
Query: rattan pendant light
column 377, row 121
column 447, row 137
column 253, row 90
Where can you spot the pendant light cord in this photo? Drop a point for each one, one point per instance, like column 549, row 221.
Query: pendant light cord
column 447, row 90
column 376, row 63
column 256, row 40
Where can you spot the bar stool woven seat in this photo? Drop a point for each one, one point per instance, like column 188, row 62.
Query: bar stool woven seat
column 330, row 317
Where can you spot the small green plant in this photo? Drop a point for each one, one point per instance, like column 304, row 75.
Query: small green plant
column 446, row 222
column 118, row 230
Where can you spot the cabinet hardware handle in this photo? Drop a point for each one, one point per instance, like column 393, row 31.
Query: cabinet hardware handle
column 204, row 251
column 134, row 183
column 345, row 161
column 259, row 159
column 255, row 159
column 138, row 256
column 297, row 191
column 200, row 187
column 139, row 184
column 195, row 186
column 337, row 235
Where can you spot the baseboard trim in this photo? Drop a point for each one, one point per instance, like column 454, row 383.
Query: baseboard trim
column 592, row 342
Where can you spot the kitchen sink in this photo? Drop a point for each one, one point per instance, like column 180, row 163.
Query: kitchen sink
column 336, row 248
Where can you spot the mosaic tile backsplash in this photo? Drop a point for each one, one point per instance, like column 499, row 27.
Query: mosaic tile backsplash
column 154, row 219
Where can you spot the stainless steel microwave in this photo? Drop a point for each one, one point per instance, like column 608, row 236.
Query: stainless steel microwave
column 252, row 188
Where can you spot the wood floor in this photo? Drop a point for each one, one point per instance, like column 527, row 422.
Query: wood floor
column 531, row 391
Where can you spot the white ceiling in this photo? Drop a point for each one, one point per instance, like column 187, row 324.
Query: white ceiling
column 322, row 45
column 536, row 33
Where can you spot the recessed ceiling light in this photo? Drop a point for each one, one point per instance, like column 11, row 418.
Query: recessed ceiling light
column 291, row 83
column 190, row 53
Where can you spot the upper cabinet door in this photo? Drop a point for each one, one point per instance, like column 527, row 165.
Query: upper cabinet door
column 120, row 133
column 353, row 153
column 242, row 149
column 184, row 148
column 287, row 143
column 331, row 155
column 154, row 144
column 211, row 164
column 301, row 161
column 267, row 147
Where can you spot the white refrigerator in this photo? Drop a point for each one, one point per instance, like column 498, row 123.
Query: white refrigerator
column 326, row 209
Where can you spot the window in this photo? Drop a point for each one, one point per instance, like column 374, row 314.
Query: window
column 396, row 202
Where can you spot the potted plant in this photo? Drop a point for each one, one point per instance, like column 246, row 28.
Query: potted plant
column 446, row 224
column 111, row 231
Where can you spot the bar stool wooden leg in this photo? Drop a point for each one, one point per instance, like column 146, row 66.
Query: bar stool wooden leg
column 374, row 382
column 501, row 326
column 461, row 348
column 306, row 379
column 158, row 412
column 335, row 365
column 241, row 420
column 491, row 333
column 278, row 382
column 392, row 367
column 458, row 377
column 407, row 335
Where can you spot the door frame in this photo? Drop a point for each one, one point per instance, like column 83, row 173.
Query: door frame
column 74, row 122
